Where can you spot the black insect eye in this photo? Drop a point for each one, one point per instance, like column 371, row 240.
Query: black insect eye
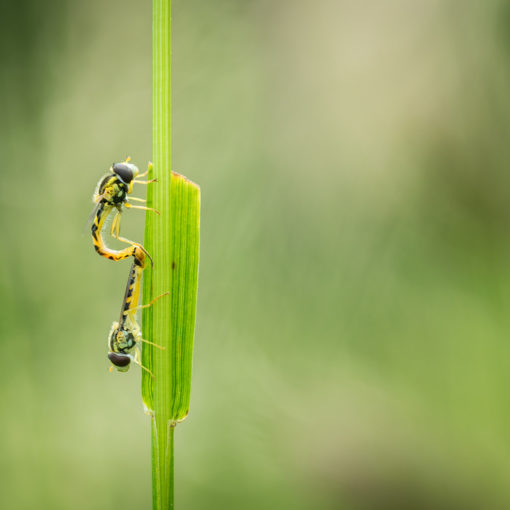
column 119, row 360
column 126, row 171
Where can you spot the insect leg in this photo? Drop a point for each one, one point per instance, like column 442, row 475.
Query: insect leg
column 149, row 168
column 153, row 301
column 146, row 182
column 152, row 343
column 137, row 360
column 148, row 304
column 131, row 206
column 115, row 232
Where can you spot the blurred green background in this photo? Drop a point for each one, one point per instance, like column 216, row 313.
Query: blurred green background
column 352, row 343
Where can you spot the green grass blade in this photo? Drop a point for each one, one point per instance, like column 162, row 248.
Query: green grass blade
column 172, row 239
column 170, row 322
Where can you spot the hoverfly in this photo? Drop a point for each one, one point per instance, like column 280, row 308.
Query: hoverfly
column 126, row 334
column 112, row 194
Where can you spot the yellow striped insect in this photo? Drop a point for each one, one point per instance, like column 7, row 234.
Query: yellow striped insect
column 125, row 335
column 111, row 195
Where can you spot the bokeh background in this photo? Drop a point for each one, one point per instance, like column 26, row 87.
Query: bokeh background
column 352, row 345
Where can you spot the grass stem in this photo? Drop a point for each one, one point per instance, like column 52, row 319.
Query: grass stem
column 172, row 239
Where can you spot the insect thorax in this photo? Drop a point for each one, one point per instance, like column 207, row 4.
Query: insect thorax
column 113, row 190
column 121, row 340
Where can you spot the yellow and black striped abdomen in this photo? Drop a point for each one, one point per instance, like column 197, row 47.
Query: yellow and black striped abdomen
column 103, row 211
column 131, row 298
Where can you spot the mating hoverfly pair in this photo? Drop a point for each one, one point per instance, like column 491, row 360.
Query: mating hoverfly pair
column 111, row 195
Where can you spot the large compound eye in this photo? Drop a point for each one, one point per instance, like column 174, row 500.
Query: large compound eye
column 119, row 360
column 125, row 171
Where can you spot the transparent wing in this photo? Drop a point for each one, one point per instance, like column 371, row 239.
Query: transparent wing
column 92, row 215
